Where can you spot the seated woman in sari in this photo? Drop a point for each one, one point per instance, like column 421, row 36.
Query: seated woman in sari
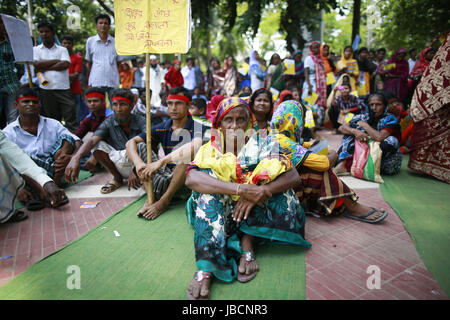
column 378, row 125
column 242, row 191
column 320, row 191
column 343, row 104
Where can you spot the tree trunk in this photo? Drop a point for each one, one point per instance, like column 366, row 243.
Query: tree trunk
column 356, row 18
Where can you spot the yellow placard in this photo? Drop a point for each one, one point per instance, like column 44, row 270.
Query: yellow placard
column 289, row 64
column 312, row 98
column 345, row 117
column 330, row 78
column 309, row 118
column 389, row 66
column 152, row 26
column 355, row 93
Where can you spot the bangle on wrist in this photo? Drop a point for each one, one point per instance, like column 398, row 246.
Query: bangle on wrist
column 237, row 189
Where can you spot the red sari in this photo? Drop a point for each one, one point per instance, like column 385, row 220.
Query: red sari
column 430, row 110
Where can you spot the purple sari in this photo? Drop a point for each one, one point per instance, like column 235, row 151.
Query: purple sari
column 399, row 84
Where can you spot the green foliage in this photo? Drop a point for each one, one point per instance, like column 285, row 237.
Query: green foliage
column 412, row 23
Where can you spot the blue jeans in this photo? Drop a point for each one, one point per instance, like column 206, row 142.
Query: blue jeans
column 7, row 110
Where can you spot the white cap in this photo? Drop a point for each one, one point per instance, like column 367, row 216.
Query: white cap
column 152, row 57
column 134, row 91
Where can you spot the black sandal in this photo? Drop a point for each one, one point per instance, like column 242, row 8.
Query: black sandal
column 18, row 216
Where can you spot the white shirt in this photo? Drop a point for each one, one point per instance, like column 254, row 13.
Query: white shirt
column 103, row 56
column 189, row 77
column 411, row 63
column 156, row 79
column 57, row 80
column 48, row 132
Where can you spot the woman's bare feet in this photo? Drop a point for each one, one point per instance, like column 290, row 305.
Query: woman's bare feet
column 153, row 211
column 198, row 288
column 340, row 168
column 248, row 267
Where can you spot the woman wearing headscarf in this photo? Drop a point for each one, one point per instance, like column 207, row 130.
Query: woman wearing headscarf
column 242, row 191
column 348, row 65
column 173, row 77
column 430, row 110
column 299, row 76
column 396, row 78
column 256, row 72
column 425, row 58
column 343, row 79
column 315, row 78
column 231, row 77
column 319, row 190
column 274, row 63
column 366, row 69
column 328, row 63
column 126, row 75
column 379, row 125
column 215, row 77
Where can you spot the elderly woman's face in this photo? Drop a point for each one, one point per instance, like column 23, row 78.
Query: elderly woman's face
column 233, row 126
column 376, row 104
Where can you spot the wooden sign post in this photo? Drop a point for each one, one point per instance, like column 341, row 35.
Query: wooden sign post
column 156, row 26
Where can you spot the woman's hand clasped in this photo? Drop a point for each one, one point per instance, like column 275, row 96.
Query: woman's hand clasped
column 250, row 195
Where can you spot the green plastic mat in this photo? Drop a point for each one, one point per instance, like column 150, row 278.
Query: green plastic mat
column 423, row 204
column 150, row 260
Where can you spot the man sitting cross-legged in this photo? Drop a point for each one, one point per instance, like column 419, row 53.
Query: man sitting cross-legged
column 108, row 143
column 95, row 98
column 45, row 140
column 180, row 137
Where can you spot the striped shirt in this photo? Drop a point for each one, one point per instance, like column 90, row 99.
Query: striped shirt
column 103, row 56
column 8, row 77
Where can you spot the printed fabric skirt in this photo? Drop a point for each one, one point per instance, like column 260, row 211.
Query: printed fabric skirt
column 281, row 219
column 322, row 193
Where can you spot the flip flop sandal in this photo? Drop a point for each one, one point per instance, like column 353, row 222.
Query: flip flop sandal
column 363, row 217
column 199, row 276
column 18, row 216
column 242, row 277
column 65, row 201
column 110, row 187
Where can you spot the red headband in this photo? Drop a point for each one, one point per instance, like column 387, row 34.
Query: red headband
column 122, row 98
column 178, row 97
column 95, row 95
column 27, row 98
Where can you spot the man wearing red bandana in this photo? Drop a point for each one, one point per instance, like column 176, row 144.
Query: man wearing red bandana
column 108, row 143
column 180, row 137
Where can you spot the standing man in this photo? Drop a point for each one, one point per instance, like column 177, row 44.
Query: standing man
column 9, row 81
column 75, row 70
column 54, row 61
column 189, row 76
column 156, row 79
column 103, row 61
column 412, row 58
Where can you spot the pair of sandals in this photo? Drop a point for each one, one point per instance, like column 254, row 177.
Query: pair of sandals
column 200, row 276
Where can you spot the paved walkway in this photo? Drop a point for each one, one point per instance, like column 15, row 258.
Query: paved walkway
column 336, row 265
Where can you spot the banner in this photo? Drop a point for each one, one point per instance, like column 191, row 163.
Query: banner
column 20, row 38
column 152, row 26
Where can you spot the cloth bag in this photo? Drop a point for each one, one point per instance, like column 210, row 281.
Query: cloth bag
column 367, row 161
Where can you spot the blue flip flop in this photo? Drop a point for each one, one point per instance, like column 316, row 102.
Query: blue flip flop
column 363, row 217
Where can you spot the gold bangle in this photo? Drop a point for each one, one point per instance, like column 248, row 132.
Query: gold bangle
column 237, row 189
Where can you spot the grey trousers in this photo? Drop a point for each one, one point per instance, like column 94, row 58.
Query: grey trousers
column 60, row 105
